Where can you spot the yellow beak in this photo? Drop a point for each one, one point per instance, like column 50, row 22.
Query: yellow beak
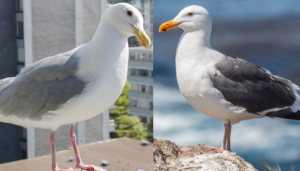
column 142, row 36
column 168, row 26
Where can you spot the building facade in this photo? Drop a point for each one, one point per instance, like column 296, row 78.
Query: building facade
column 31, row 30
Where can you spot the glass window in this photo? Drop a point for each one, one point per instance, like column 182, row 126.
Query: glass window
column 143, row 73
column 132, row 71
column 19, row 4
column 132, row 102
column 143, row 88
column 142, row 57
column 132, row 56
column 19, row 67
column 21, row 55
column 134, row 87
column 151, row 105
column 143, row 119
column 20, row 28
column 149, row 89
column 150, row 73
column 150, row 57
column 143, row 104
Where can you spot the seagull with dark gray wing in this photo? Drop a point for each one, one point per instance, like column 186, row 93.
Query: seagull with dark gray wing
column 223, row 87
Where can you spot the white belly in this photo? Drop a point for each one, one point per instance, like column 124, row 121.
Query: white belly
column 99, row 95
column 196, row 87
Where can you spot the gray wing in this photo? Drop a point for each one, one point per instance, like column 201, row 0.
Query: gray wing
column 252, row 87
column 44, row 86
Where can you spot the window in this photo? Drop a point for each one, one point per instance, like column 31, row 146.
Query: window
column 132, row 71
column 149, row 89
column 132, row 56
column 19, row 28
column 142, row 57
column 132, row 102
column 134, row 87
column 143, row 104
column 143, row 72
column 143, row 119
column 150, row 73
column 150, row 56
column 143, row 88
column 19, row 68
column 19, row 4
column 151, row 105
column 21, row 54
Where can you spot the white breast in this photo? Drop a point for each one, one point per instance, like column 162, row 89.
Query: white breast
column 194, row 66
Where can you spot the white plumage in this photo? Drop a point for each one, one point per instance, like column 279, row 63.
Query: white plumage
column 75, row 85
column 226, row 88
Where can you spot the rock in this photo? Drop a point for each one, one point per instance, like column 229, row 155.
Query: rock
column 167, row 156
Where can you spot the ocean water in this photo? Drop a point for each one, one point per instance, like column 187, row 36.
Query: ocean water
column 276, row 141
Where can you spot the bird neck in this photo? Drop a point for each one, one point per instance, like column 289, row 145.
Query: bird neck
column 195, row 46
column 107, row 49
column 198, row 38
column 106, row 38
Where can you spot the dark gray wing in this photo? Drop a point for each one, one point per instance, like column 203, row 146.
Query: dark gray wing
column 41, row 87
column 252, row 87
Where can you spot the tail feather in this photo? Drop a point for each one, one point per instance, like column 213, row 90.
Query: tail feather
column 285, row 114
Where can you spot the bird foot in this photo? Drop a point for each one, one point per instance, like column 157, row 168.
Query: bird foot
column 89, row 167
column 70, row 169
column 218, row 150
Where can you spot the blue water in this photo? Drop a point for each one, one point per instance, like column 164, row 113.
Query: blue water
column 257, row 140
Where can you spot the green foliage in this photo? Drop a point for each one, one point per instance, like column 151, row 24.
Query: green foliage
column 150, row 130
column 130, row 126
column 126, row 126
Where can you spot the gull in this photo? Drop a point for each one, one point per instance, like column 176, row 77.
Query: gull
column 227, row 88
column 76, row 85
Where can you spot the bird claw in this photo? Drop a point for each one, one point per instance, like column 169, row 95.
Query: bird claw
column 70, row 169
column 90, row 167
column 218, row 150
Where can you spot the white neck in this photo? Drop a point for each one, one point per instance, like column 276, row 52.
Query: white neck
column 104, row 50
column 196, row 46
column 109, row 38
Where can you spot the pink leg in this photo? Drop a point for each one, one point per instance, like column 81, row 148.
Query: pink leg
column 226, row 139
column 53, row 152
column 79, row 163
column 228, row 130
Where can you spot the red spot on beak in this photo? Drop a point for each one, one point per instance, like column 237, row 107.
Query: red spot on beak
column 143, row 44
column 164, row 30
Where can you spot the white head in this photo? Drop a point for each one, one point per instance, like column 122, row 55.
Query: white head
column 128, row 21
column 191, row 18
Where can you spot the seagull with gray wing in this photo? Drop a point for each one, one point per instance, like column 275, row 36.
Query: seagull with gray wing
column 227, row 88
column 76, row 85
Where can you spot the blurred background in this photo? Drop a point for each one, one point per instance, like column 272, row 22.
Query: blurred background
column 266, row 33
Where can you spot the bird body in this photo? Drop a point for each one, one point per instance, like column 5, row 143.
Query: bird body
column 76, row 85
column 99, row 75
column 223, row 87
column 194, row 68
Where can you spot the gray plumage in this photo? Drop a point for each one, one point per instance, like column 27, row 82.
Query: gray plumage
column 41, row 87
column 252, row 87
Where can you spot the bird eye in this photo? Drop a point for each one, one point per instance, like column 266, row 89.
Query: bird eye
column 129, row 13
column 190, row 14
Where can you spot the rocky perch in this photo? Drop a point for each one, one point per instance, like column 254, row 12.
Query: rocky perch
column 168, row 156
